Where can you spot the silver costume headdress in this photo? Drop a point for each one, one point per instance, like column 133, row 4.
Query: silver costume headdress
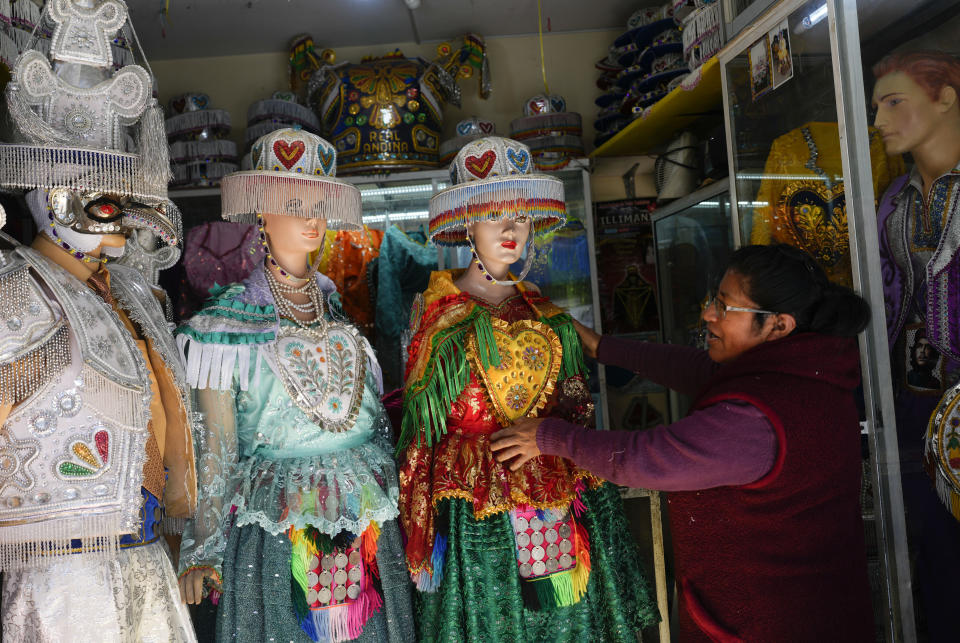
column 86, row 133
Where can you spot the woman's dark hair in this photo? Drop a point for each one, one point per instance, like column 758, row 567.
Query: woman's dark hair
column 785, row 279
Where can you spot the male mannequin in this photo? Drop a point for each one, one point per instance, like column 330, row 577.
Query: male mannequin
column 918, row 111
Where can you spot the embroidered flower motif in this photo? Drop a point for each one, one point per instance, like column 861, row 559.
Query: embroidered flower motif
column 334, row 404
column 506, row 359
column 533, row 356
column 517, row 397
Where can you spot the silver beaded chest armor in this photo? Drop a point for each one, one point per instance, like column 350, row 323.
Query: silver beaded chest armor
column 72, row 451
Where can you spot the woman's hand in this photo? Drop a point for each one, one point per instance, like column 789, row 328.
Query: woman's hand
column 191, row 585
column 589, row 337
column 517, row 443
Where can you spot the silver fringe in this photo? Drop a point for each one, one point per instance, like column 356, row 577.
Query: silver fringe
column 187, row 122
column 153, row 146
column 22, row 377
column 37, row 544
column 285, row 110
column 244, row 194
column 29, row 167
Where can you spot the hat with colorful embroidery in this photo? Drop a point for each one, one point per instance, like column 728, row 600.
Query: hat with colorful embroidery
column 491, row 178
column 294, row 175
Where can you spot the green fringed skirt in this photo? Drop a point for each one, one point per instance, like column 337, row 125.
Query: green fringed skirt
column 256, row 605
column 480, row 596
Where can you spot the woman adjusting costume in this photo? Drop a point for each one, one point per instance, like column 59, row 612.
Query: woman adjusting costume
column 543, row 553
column 296, row 523
column 764, row 473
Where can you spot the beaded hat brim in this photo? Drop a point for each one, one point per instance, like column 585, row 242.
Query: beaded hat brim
column 246, row 194
column 29, row 167
column 536, row 195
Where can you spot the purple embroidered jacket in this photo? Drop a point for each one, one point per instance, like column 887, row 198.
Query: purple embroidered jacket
column 942, row 310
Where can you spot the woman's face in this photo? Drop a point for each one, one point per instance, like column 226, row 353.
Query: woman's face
column 731, row 336
column 500, row 243
column 906, row 117
column 293, row 235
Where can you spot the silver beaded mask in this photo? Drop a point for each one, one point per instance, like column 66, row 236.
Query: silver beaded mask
column 100, row 213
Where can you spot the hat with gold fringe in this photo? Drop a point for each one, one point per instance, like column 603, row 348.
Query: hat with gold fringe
column 491, row 178
column 294, row 175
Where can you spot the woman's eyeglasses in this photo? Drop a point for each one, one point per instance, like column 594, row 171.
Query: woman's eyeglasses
column 722, row 307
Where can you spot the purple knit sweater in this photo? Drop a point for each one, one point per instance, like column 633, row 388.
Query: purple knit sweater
column 723, row 444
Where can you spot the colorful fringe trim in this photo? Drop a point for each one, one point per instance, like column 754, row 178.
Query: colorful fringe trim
column 428, row 401
column 425, row 580
column 343, row 621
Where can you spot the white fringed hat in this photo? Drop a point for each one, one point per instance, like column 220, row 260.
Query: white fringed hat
column 491, row 177
column 293, row 175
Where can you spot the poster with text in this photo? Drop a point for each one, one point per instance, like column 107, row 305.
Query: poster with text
column 626, row 272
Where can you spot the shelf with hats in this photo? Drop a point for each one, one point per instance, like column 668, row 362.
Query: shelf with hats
column 699, row 94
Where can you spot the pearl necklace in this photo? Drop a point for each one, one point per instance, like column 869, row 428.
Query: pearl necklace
column 76, row 254
column 286, row 308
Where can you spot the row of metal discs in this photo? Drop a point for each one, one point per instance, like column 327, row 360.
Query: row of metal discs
column 538, row 560
column 329, row 579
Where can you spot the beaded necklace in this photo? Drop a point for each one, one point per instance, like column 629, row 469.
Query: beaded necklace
column 55, row 237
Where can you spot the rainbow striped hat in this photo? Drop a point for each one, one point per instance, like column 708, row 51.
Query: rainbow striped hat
column 491, row 177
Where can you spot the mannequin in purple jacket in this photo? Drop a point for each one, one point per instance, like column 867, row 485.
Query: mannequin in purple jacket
column 765, row 472
column 918, row 112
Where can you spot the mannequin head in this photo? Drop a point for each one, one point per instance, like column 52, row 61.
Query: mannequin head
column 292, row 239
column 500, row 243
column 82, row 238
column 916, row 99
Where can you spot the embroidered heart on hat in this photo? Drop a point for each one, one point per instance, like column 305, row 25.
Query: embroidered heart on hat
column 289, row 153
column 178, row 104
column 326, row 156
column 520, row 159
column 480, row 166
column 486, row 127
column 464, row 128
column 200, row 100
column 815, row 216
column 530, row 354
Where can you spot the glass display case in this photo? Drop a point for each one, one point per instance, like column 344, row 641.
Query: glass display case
column 694, row 238
column 809, row 170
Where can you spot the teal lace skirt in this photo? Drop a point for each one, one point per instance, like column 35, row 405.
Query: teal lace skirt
column 256, row 605
column 480, row 596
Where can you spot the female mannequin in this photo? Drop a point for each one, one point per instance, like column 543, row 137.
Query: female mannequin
column 542, row 553
column 298, row 484
column 918, row 111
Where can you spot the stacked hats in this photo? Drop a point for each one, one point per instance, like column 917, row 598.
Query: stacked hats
column 281, row 111
column 644, row 65
column 553, row 134
column 22, row 28
column 199, row 154
column 469, row 129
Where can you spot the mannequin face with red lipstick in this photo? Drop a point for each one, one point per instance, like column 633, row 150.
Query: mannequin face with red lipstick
column 500, row 243
column 292, row 239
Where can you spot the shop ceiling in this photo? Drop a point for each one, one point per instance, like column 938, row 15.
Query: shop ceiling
column 200, row 28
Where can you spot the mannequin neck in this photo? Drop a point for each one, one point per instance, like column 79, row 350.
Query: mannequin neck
column 474, row 282
column 940, row 153
column 76, row 267
column 292, row 262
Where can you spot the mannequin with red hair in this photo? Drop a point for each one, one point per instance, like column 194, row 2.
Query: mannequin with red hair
column 918, row 111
